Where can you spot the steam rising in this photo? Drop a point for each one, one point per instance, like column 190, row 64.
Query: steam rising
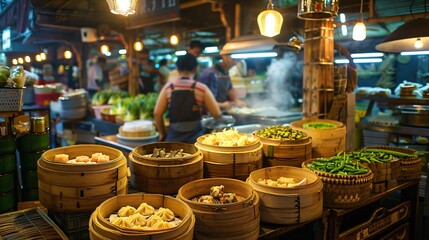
column 279, row 83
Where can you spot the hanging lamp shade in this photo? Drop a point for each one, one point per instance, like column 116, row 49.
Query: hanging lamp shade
column 405, row 37
column 359, row 31
column 122, row 7
column 270, row 22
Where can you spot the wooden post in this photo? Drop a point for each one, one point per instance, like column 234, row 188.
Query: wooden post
column 318, row 70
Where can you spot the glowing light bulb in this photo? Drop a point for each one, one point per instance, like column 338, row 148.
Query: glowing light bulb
column 20, row 60
column 359, row 31
column 38, row 58
column 68, row 54
column 104, row 49
column 27, row 59
column 270, row 23
column 174, row 40
column 14, row 61
column 418, row 44
column 43, row 56
column 138, row 45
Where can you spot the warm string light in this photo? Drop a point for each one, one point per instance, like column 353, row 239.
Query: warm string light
column 138, row 45
column 27, row 59
column 43, row 56
column 270, row 21
column 359, row 30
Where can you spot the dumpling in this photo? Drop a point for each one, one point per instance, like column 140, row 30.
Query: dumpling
column 82, row 159
column 228, row 198
column 145, row 209
column 122, row 222
column 165, row 213
column 285, row 180
column 206, row 199
column 162, row 225
column 126, row 211
column 216, row 191
column 152, row 220
column 113, row 217
column 62, row 158
column 94, row 157
column 103, row 158
column 137, row 220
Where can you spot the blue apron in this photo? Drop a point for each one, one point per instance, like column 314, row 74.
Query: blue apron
column 185, row 116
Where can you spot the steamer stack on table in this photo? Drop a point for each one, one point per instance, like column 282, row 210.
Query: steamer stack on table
column 8, row 176
column 72, row 191
column 230, row 154
column 284, row 146
column 154, row 169
column 31, row 147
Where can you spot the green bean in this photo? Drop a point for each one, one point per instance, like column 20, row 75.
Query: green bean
column 391, row 152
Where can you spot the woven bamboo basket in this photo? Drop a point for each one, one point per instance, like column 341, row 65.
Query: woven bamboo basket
column 80, row 187
column 230, row 162
column 281, row 205
column 325, row 142
column 154, row 175
column 101, row 228
column 286, row 152
column 385, row 174
column 343, row 191
column 239, row 220
column 410, row 168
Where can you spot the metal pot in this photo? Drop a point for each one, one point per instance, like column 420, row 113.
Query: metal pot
column 317, row 9
column 414, row 115
column 218, row 124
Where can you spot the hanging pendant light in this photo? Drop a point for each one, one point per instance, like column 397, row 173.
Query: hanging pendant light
column 43, row 56
column 122, row 7
column 270, row 21
column 68, row 54
column 104, row 49
column 359, row 30
column 138, row 45
column 412, row 36
column 174, row 39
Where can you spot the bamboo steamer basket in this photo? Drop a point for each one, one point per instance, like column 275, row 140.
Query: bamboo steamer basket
column 326, row 142
column 153, row 175
column 101, row 228
column 343, row 191
column 385, row 174
column 410, row 168
column 239, row 220
column 140, row 152
column 286, row 152
column 288, row 205
column 230, row 162
column 80, row 187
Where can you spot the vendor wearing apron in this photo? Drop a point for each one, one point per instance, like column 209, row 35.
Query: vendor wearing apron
column 185, row 99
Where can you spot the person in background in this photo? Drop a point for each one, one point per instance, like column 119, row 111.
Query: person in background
column 164, row 71
column 95, row 76
column 185, row 99
column 195, row 49
column 148, row 77
column 218, row 81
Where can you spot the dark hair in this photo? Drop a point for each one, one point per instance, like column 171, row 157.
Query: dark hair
column 101, row 60
column 187, row 63
column 163, row 62
column 195, row 44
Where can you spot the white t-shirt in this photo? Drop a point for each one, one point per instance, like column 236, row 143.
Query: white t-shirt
column 94, row 73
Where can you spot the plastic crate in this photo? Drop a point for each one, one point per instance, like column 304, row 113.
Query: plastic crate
column 11, row 99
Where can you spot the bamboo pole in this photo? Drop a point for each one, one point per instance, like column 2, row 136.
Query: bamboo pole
column 318, row 70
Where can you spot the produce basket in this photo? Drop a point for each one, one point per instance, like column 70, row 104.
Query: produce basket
column 11, row 99
column 410, row 167
column 343, row 191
